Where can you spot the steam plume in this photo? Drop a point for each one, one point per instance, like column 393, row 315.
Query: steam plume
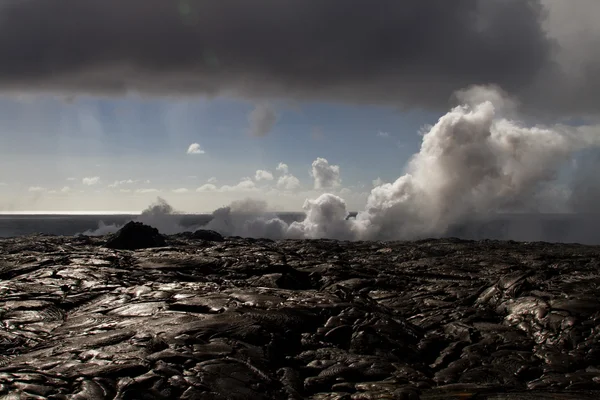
column 473, row 162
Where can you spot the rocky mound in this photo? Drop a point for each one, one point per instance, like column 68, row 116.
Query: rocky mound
column 257, row 319
column 135, row 235
column 206, row 234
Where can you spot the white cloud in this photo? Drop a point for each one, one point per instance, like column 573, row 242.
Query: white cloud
column 325, row 175
column 147, row 191
column 246, row 184
column 36, row 189
column 208, row 187
column 262, row 120
column 195, row 149
column 288, row 182
column 378, row 182
column 71, row 179
column 122, row 182
column 283, row 168
column 180, row 190
column 65, row 189
column 90, row 181
column 382, row 134
column 262, row 175
column 212, row 179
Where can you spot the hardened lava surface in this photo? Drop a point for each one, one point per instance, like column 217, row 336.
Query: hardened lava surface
column 320, row 319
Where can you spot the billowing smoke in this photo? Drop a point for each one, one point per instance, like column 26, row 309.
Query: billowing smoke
column 473, row 162
column 159, row 214
column 248, row 218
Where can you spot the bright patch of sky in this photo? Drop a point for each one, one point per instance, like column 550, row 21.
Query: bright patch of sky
column 119, row 154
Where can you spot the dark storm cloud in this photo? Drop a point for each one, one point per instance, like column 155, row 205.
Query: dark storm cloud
column 411, row 52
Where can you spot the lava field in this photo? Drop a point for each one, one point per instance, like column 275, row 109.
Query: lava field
column 206, row 317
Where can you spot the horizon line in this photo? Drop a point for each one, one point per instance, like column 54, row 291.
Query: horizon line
column 116, row 212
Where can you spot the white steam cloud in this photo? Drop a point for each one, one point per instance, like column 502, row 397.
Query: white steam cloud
column 474, row 161
column 160, row 215
column 326, row 176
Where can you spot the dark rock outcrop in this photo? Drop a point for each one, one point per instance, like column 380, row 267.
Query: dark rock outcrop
column 312, row 319
column 209, row 235
column 135, row 235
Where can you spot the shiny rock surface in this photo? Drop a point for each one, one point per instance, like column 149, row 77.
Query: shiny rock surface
column 320, row 319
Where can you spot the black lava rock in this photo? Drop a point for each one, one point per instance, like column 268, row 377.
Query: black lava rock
column 297, row 319
column 135, row 235
column 206, row 234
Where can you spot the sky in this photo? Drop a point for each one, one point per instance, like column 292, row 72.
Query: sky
column 106, row 106
column 115, row 154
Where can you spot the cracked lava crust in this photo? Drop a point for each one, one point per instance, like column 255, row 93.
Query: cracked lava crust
column 239, row 318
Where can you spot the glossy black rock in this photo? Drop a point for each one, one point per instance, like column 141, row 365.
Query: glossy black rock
column 258, row 319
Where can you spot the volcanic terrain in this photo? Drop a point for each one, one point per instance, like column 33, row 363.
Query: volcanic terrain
column 206, row 317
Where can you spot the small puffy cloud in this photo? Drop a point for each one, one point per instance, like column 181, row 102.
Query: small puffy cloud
column 262, row 120
column 66, row 189
column 180, row 190
column 246, row 184
column 212, row 180
column 283, row 168
column 90, row 181
column 122, row 182
column 262, row 175
column 383, row 134
column 288, row 182
column 36, row 189
column 195, row 149
column 378, row 182
column 143, row 191
column 325, row 175
column 208, row 187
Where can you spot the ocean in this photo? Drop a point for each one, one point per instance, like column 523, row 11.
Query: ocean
column 68, row 225
column 584, row 229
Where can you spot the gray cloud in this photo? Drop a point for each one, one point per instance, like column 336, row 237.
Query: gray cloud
column 262, row 120
column 406, row 53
